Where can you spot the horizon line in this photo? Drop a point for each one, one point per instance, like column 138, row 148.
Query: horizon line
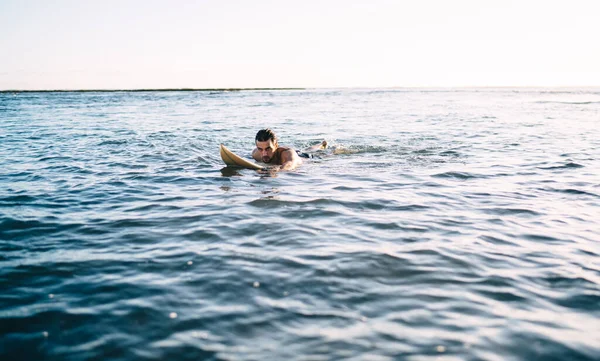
column 109, row 90
column 135, row 90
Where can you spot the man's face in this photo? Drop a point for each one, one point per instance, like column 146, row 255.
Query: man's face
column 266, row 149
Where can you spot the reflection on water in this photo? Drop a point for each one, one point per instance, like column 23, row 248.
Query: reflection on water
column 231, row 171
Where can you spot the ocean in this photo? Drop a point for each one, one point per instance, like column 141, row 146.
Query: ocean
column 440, row 224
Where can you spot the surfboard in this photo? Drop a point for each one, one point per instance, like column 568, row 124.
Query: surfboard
column 234, row 160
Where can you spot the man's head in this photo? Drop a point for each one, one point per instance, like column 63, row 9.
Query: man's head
column 266, row 143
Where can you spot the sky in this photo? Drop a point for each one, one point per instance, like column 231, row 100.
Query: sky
column 133, row 44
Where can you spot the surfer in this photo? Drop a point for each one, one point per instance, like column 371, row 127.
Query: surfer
column 286, row 158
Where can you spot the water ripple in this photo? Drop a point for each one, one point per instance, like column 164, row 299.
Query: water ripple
column 123, row 236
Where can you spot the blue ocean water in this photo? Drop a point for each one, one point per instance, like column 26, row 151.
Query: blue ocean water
column 442, row 224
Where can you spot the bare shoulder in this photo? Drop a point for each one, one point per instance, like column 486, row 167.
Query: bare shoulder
column 256, row 155
column 288, row 153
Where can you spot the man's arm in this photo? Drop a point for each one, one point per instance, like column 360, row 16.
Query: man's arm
column 289, row 160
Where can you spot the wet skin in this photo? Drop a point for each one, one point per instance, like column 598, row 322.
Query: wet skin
column 269, row 152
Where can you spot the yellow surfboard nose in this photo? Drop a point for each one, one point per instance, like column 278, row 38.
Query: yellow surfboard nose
column 234, row 160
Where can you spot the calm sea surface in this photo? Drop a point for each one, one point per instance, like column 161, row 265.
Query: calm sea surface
column 441, row 225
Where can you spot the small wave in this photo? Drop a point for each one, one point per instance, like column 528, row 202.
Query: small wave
column 569, row 165
column 573, row 103
column 457, row 175
column 423, row 151
column 371, row 205
column 54, row 158
column 395, row 226
column 15, row 228
column 69, row 169
column 582, row 302
column 30, row 201
column 571, row 191
column 503, row 296
column 113, row 142
column 127, row 165
column 510, row 211
column 149, row 208
column 267, row 104
column 374, row 165
column 566, row 282
column 273, row 202
column 496, row 240
column 18, row 199
column 542, row 238
column 449, row 153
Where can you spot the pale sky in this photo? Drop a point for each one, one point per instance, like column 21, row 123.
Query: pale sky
column 127, row 44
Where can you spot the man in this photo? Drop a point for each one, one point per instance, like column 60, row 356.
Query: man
column 268, row 151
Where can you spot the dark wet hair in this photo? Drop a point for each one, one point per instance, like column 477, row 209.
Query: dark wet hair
column 264, row 135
